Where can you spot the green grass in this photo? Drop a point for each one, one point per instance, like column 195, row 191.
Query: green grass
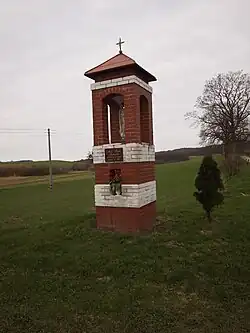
column 34, row 180
column 56, row 163
column 59, row 274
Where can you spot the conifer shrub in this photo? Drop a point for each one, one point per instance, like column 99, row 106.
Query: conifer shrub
column 209, row 186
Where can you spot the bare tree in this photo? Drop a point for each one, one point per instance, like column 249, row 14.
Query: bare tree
column 223, row 109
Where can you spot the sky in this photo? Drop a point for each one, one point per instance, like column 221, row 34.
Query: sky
column 47, row 45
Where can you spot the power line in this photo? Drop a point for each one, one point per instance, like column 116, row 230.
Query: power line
column 26, row 130
column 38, row 132
column 20, row 132
column 30, row 131
column 23, row 129
column 67, row 132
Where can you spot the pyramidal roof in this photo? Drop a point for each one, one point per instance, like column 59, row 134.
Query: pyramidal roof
column 117, row 61
column 120, row 60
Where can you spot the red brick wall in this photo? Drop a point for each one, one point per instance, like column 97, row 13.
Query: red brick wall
column 131, row 173
column 146, row 116
column 100, row 119
column 138, row 128
column 131, row 93
column 126, row 219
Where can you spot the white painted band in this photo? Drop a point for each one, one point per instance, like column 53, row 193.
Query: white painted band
column 132, row 152
column 133, row 195
column 246, row 158
column 120, row 81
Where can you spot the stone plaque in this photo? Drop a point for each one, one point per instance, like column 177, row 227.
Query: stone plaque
column 113, row 155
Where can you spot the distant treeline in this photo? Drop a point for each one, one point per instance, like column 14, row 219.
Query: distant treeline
column 183, row 154
column 31, row 168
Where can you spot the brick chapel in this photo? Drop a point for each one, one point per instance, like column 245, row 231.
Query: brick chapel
column 123, row 151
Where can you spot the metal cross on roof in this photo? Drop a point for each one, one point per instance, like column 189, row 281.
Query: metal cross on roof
column 120, row 44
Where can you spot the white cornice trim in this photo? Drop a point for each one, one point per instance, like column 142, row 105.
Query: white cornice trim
column 121, row 81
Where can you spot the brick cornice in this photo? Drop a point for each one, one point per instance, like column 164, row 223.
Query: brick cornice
column 121, row 81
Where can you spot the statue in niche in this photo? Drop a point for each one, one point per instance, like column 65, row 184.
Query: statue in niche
column 115, row 182
column 122, row 122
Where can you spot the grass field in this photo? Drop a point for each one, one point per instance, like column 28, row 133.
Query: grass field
column 59, row 274
column 56, row 163
column 34, row 180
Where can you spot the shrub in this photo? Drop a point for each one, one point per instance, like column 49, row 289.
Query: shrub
column 81, row 165
column 209, row 185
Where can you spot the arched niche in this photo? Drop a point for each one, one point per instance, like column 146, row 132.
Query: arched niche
column 144, row 119
column 114, row 118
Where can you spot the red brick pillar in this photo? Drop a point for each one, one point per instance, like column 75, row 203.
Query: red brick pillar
column 125, row 185
column 100, row 119
column 132, row 117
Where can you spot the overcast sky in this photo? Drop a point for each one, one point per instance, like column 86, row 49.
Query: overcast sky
column 47, row 45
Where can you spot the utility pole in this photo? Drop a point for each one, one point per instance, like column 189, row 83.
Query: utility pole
column 50, row 162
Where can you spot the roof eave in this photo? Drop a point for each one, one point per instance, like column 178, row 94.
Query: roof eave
column 149, row 75
column 92, row 74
